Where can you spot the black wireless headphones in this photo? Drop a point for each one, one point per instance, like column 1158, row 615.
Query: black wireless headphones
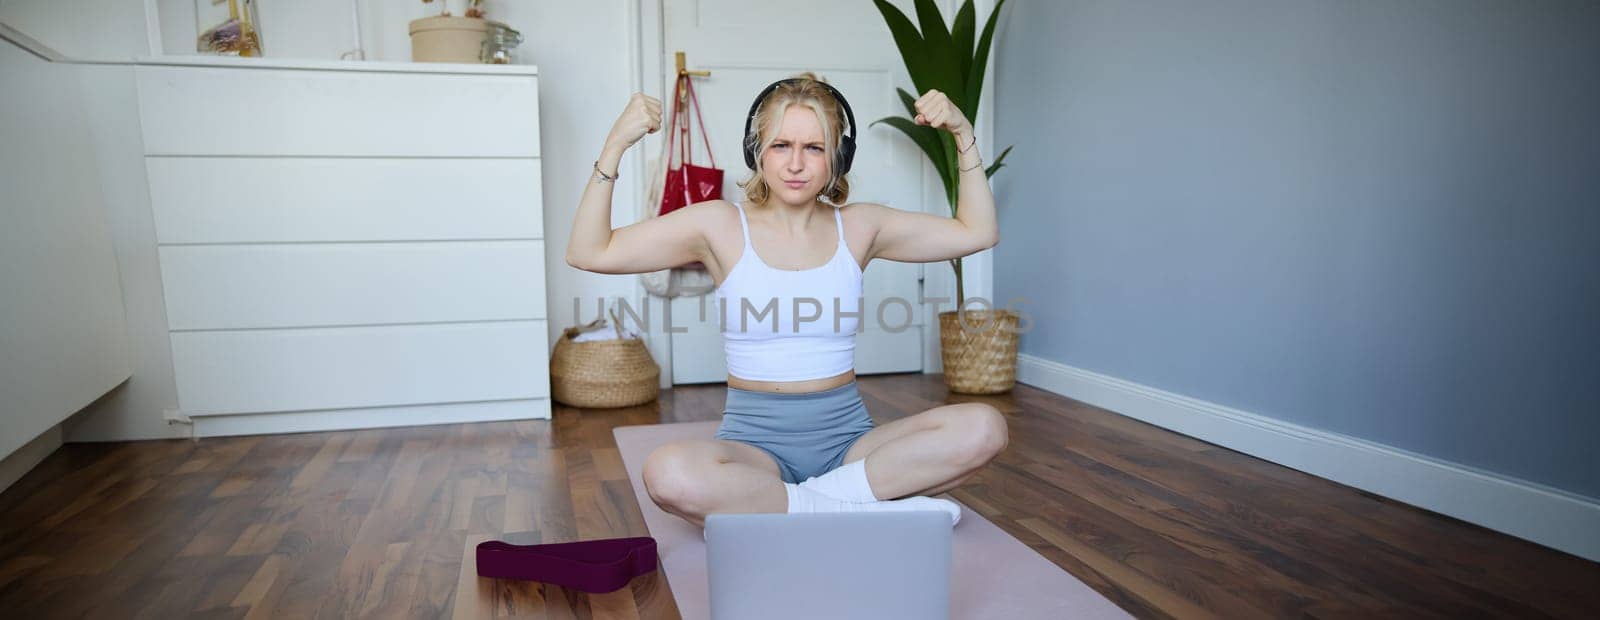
column 847, row 143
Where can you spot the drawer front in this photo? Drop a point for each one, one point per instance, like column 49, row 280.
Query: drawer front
column 335, row 368
column 231, row 111
column 329, row 284
column 265, row 199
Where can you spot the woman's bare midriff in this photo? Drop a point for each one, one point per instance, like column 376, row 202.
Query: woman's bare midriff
column 793, row 387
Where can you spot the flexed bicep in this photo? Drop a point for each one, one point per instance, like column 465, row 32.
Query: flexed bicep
column 913, row 237
column 677, row 238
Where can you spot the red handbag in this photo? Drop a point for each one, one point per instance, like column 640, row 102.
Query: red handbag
column 688, row 184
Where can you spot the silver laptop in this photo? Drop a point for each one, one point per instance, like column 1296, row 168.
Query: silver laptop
column 878, row 565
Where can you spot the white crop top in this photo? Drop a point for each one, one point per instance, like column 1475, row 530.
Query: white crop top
column 787, row 325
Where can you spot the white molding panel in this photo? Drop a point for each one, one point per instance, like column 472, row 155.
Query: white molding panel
column 336, row 368
column 1524, row 509
column 327, row 284
column 275, row 199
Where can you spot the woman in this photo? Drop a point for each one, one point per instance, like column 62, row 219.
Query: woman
column 793, row 411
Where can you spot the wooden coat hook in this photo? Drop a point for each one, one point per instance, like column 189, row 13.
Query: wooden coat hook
column 682, row 71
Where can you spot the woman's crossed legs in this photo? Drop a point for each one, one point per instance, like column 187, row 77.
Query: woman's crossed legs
column 925, row 454
column 697, row 477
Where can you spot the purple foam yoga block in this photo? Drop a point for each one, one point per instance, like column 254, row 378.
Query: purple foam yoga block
column 593, row 566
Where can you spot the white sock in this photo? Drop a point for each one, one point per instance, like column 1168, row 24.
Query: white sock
column 847, row 482
column 802, row 499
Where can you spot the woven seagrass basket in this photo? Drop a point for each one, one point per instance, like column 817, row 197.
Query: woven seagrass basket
column 600, row 374
column 979, row 350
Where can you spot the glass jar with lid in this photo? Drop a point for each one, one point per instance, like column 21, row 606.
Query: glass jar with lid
column 499, row 43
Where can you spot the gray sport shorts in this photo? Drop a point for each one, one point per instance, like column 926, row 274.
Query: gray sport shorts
column 808, row 433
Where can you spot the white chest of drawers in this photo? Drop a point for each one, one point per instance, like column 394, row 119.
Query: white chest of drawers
column 348, row 245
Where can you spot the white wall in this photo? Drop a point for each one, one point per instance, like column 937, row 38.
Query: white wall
column 63, row 342
column 288, row 28
column 83, row 29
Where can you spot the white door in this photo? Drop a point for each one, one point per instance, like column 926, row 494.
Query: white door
column 748, row 45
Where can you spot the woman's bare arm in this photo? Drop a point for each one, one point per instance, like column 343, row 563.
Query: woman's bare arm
column 656, row 243
column 674, row 239
column 913, row 237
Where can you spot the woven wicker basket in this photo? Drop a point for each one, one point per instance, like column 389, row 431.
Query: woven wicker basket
column 599, row 374
column 982, row 357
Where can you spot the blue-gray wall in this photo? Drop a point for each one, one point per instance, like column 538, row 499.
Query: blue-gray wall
column 1378, row 218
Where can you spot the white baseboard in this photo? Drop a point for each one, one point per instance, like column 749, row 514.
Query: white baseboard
column 374, row 417
column 1527, row 510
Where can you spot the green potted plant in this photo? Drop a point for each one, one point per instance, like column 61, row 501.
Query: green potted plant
column 978, row 347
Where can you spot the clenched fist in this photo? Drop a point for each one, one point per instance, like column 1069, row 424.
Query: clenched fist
column 642, row 116
column 936, row 110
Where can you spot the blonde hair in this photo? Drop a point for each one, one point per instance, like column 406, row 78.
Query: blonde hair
column 770, row 115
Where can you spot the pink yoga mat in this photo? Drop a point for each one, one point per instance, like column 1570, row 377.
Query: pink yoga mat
column 993, row 574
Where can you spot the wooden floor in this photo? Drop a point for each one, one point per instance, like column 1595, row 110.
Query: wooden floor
column 375, row 523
